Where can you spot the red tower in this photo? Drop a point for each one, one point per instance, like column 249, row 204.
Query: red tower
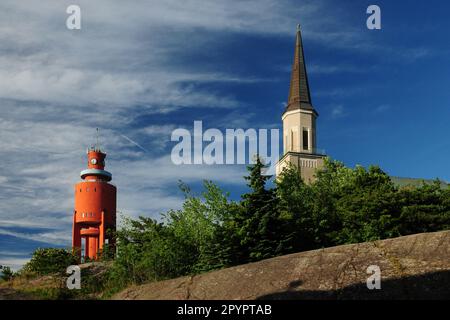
column 94, row 216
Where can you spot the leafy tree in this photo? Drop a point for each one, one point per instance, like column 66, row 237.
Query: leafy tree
column 343, row 205
column 424, row 209
column 365, row 209
column 6, row 273
column 50, row 260
column 295, row 205
column 187, row 241
column 347, row 205
column 147, row 250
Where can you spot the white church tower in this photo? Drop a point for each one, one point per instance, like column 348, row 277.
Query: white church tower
column 299, row 122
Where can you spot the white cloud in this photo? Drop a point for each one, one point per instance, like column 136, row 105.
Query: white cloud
column 382, row 108
column 61, row 237
column 130, row 60
column 332, row 69
column 42, row 161
column 338, row 111
column 117, row 62
column 14, row 263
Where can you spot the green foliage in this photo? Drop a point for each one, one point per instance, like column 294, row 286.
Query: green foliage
column 348, row 205
column 424, row 209
column 259, row 226
column 187, row 241
column 298, row 214
column 6, row 273
column 341, row 206
column 50, row 260
column 58, row 293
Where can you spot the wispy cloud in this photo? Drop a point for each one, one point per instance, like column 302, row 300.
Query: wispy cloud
column 332, row 69
column 411, row 55
column 129, row 66
column 15, row 263
column 134, row 143
column 338, row 112
column 382, row 108
column 57, row 86
column 59, row 238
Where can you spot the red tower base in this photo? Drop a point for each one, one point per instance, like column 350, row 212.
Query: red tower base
column 94, row 237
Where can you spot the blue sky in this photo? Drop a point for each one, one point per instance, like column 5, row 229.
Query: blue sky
column 140, row 69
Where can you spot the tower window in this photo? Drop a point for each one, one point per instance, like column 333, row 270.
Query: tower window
column 292, row 140
column 305, row 139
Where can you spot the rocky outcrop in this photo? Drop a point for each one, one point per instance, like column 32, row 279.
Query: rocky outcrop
column 412, row 267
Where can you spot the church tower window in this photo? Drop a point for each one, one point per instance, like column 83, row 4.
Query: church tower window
column 305, row 139
column 299, row 121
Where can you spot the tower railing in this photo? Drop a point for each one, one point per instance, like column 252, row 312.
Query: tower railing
column 314, row 151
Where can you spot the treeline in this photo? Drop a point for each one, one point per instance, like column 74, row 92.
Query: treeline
column 210, row 232
column 342, row 206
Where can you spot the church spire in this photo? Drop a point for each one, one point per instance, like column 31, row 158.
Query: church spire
column 299, row 95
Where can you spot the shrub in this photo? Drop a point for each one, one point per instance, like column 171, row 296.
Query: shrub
column 6, row 273
column 50, row 260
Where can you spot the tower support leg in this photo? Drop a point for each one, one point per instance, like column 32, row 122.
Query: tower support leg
column 86, row 248
column 76, row 238
column 102, row 232
column 92, row 243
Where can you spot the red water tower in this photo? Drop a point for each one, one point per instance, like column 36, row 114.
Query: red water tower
column 94, row 217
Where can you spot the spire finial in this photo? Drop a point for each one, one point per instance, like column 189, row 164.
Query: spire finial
column 299, row 95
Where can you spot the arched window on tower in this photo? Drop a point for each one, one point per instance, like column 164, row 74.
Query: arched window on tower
column 305, row 139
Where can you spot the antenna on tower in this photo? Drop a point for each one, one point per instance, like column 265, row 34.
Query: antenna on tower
column 97, row 145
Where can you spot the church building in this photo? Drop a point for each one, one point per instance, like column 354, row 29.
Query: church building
column 299, row 122
column 300, row 131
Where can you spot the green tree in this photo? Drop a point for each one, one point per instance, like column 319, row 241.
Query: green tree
column 424, row 209
column 200, row 225
column 6, row 273
column 50, row 260
column 296, row 205
column 187, row 241
column 343, row 205
column 366, row 207
column 259, row 225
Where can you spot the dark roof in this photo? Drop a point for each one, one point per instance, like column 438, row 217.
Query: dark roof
column 299, row 93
